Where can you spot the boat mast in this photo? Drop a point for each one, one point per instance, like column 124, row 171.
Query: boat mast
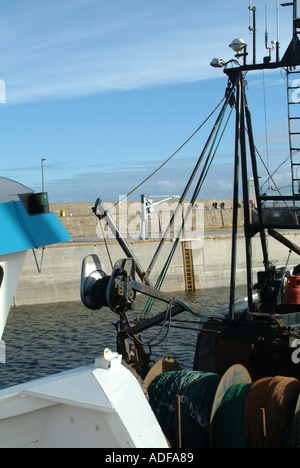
column 291, row 59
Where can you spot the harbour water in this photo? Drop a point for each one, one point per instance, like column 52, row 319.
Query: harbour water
column 46, row 339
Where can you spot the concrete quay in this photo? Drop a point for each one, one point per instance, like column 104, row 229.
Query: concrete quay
column 79, row 220
column 59, row 280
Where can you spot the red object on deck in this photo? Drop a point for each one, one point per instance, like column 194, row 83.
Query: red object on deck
column 292, row 291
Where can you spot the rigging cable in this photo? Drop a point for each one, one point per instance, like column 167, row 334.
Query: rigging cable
column 277, row 169
column 209, row 160
column 266, row 123
column 271, row 177
column 172, row 156
column 168, row 318
column 106, row 244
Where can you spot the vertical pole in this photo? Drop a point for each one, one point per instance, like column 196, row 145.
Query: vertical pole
column 263, row 237
column 235, row 196
column 254, row 35
column 43, row 179
column 183, row 196
column 178, row 412
column 144, row 231
column 295, row 15
column 101, row 212
column 277, row 42
column 246, row 204
column 252, row 28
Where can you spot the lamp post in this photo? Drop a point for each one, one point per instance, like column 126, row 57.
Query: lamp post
column 43, row 180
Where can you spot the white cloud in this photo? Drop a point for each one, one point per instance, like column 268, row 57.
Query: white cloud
column 165, row 187
column 79, row 48
column 71, row 48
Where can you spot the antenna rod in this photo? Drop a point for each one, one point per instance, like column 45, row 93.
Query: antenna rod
column 294, row 4
column 253, row 30
column 295, row 8
column 295, row 16
column 266, row 20
column 277, row 43
column 254, row 35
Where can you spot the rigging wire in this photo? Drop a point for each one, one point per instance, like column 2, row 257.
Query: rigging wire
column 207, row 164
column 285, row 160
column 276, row 170
column 168, row 318
column 133, row 337
column 106, row 245
column 277, row 189
column 169, row 159
column 266, row 123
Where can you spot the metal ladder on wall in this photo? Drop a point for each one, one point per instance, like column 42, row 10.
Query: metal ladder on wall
column 293, row 84
column 188, row 265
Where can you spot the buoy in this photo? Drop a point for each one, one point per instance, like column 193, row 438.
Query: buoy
column 292, row 291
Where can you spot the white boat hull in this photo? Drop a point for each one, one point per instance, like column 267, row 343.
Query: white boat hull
column 12, row 265
column 90, row 407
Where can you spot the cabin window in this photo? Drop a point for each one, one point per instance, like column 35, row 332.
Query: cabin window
column 1, row 275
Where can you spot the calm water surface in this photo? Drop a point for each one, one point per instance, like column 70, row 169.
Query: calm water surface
column 46, row 339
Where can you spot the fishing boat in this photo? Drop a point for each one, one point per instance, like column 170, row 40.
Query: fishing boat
column 244, row 388
column 246, row 356
column 80, row 408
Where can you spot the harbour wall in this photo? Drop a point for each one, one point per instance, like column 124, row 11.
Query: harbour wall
column 59, row 280
column 80, row 221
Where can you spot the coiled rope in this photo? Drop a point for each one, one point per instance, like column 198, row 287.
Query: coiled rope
column 197, row 391
column 278, row 396
column 238, row 420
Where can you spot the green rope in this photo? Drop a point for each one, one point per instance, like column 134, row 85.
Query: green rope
column 197, row 391
column 206, row 167
column 229, row 420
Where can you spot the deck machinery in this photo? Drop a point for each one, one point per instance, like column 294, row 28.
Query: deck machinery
column 263, row 336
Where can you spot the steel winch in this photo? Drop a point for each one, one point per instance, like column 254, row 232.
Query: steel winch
column 118, row 291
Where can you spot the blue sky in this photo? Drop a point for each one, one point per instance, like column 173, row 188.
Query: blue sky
column 106, row 90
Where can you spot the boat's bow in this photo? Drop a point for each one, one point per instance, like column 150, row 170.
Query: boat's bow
column 25, row 224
